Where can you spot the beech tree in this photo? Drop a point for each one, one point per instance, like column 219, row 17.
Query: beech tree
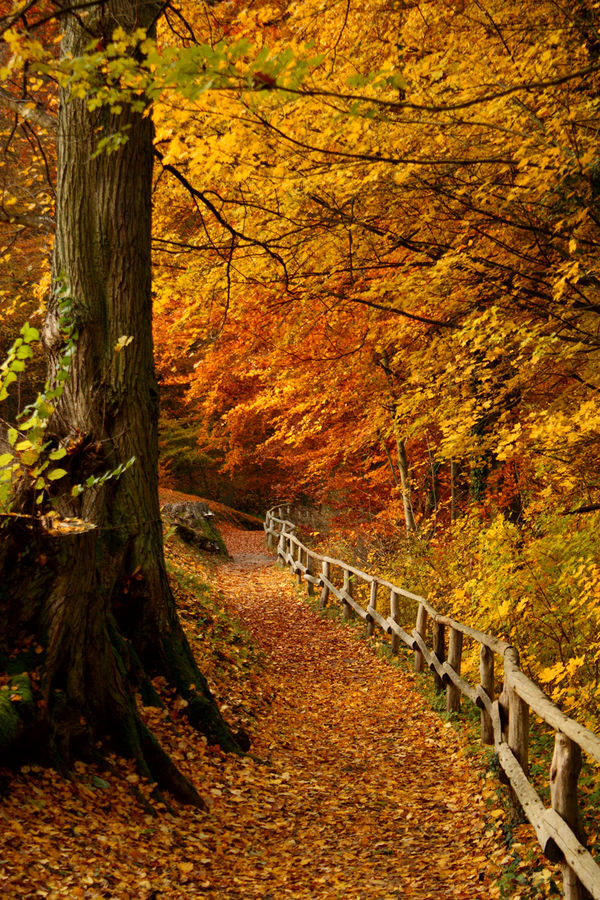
column 93, row 596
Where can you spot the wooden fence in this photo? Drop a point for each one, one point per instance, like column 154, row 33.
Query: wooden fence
column 437, row 641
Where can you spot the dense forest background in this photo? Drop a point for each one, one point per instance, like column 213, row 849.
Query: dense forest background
column 376, row 286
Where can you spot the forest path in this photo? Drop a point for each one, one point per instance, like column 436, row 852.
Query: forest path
column 368, row 794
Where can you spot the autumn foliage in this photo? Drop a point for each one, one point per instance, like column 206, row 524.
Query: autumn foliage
column 398, row 255
column 376, row 237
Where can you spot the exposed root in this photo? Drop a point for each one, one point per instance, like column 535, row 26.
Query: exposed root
column 201, row 710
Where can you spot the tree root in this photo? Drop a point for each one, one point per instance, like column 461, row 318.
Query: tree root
column 201, row 711
column 154, row 763
column 17, row 711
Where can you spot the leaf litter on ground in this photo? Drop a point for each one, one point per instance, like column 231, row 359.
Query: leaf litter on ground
column 353, row 788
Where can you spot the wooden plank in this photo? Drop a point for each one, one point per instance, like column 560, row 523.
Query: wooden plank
column 546, row 710
column 575, row 855
column 484, row 701
column 529, row 799
column 356, row 607
column 451, row 675
column 394, row 628
column 431, row 659
column 331, row 588
column 377, row 617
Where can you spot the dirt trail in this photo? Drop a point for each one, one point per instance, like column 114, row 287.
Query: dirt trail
column 368, row 794
column 354, row 789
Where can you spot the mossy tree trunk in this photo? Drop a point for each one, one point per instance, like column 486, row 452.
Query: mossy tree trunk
column 101, row 604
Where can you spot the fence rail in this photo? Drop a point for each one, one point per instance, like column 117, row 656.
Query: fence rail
column 437, row 641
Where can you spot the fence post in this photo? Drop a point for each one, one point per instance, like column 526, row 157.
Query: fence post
column 348, row 611
column 439, row 649
column 324, row 589
column 373, row 603
column 421, row 629
column 486, row 677
column 394, row 615
column 564, row 773
column 518, row 721
column 298, row 556
column 281, row 546
column 269, row 527
column 310, row 570
column 455, row 644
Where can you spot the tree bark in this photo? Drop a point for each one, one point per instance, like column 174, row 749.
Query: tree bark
column 104, row 609
column 409, row 518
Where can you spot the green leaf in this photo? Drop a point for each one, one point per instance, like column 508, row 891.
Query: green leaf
column 24, row 352
column 57, row 454
column 55, row 474
column 100, row 782
column 6, row 459
column 29, row 333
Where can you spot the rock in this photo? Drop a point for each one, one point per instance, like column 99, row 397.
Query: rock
column 193, row 524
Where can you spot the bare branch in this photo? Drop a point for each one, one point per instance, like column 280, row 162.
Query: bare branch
column 23, row 108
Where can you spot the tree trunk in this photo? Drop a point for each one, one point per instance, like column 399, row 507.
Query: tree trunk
column 409, row 518
column 105, row 609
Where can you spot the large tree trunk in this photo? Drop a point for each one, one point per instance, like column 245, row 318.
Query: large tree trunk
column 104, row 608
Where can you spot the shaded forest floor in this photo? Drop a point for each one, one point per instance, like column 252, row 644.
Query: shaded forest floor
column 354, row 788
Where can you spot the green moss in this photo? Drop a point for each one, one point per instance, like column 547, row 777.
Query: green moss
column 10, row 723
column 17, row 709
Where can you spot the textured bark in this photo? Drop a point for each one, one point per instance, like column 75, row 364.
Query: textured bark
column 106, row 605
column 409, row 518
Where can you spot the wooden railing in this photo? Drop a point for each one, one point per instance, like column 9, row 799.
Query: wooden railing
column 504, row 719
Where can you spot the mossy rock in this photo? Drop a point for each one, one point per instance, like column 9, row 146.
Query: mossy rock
column 194, row 524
